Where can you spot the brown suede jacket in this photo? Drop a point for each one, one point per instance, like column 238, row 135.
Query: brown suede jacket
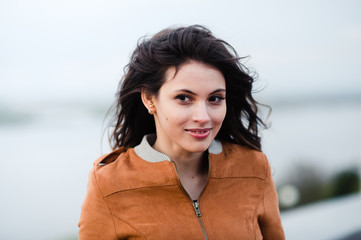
column 136, row 194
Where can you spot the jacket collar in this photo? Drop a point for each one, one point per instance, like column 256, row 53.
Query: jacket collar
column 145, row 151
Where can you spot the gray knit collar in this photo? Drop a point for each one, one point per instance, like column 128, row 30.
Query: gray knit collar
column 145, row 151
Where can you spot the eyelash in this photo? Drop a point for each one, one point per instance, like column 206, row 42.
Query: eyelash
column 186, row 98
column 219, row 98
column 182, row 97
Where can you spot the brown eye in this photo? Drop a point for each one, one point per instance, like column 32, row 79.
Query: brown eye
column 216, row 99
column 183, row 98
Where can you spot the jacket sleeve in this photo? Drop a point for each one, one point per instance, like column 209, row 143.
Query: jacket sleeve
column 270, row 222
column 96, row 220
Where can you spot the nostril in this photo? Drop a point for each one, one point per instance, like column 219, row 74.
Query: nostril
column 201, row 114
column 202, row 119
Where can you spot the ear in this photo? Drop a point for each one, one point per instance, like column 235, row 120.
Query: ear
column 147, row 100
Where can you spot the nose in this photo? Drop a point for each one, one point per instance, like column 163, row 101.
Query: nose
column 200, row 113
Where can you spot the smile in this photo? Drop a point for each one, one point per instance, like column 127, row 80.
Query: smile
column 199, row 133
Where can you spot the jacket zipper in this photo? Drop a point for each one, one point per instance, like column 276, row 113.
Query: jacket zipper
column 194, row 202
column 199, row 215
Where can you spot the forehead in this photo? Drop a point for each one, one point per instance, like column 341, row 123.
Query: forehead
column 193, row 74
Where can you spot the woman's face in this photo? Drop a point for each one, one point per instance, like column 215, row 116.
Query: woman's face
column 190, row 108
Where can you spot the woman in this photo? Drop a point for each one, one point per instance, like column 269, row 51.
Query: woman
column 187, row 162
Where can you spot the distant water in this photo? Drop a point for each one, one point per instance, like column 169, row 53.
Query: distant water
column 46, row 155
column 47, row 151
column 325, row 136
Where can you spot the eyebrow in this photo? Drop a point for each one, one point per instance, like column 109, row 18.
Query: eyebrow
column 190, row 92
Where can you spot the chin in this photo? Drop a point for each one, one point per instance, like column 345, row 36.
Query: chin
column 200, row 147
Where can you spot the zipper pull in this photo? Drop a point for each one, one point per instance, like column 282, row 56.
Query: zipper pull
column 196, row 208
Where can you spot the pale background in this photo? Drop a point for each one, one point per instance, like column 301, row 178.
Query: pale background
column 61, row 61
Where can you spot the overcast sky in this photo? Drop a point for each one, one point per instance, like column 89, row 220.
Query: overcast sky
column 76, row 49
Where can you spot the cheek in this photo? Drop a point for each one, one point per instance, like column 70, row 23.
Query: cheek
column 219, row 115
column 172, row 119
column 219, row 120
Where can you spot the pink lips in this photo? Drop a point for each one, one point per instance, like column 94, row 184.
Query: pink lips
column 199, row 132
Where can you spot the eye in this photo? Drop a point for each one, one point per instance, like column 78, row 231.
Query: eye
column 183, row 98
column 216, row 99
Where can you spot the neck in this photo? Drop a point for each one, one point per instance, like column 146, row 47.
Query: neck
column 192, row 166
column 193, row 174
column 188, row 164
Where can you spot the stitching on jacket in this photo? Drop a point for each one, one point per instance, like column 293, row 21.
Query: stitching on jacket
column 133, row 189
column 263, row 179
column 130, row 226
column 96, row 181
column 113, row 216
column 268, row 170
column 254, row 223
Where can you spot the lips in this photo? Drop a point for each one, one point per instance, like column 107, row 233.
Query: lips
column 199, row 132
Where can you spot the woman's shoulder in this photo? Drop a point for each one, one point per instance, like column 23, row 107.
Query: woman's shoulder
column 240, row 161
column 109, row 158
column 123, row 169
column 236, row 149
column 107, row 170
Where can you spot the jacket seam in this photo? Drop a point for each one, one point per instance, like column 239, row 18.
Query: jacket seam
column 130, row 226
column 96, row 181
column 111, row 213
column 260, row 178
column 133, row 189
column 264, row 187
column 254, row 223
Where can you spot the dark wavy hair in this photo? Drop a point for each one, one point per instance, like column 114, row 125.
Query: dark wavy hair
column 174, row 47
